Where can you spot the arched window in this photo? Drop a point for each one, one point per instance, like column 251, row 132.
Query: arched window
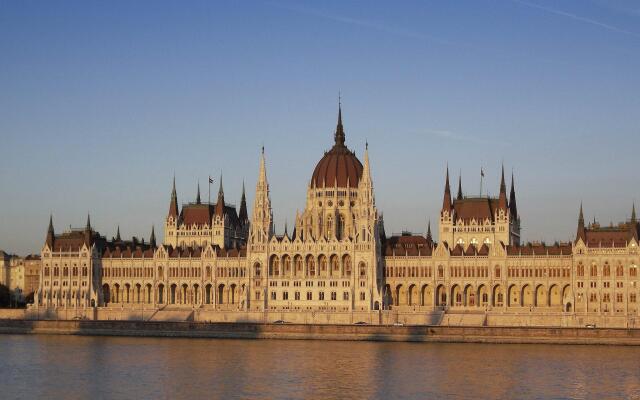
column 340, row 227
column 580, row 271
column 606, row 270
column 256, row 269
column 362, row 267
column 594, row 270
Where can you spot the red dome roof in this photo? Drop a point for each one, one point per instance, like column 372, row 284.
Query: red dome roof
column 339, row 167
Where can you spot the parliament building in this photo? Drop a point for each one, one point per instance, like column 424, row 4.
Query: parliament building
column 216, row 260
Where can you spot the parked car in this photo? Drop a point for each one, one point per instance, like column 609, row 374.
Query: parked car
column 591, row 326
column 280, row 322
column 360, row 323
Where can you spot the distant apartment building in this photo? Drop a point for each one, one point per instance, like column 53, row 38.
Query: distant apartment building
column 21, row 275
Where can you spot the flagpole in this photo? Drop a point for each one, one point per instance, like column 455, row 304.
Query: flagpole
column 481, row 178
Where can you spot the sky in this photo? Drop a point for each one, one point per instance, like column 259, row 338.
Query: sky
column 101, row 103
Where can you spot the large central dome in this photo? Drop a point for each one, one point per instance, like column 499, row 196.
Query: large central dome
column 339, row 167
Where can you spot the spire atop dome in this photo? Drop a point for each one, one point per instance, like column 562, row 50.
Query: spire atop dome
column 339, row 136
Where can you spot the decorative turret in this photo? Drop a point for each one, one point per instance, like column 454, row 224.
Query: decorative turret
column 459, row 196
column 502, row 200
column 152, row 238
column 198, row 195
column 244, row 217
column 50, row 233
column 633, row 225
column 446, row 202
column 513, row 209
column 87, row 231
column 581, row 233
column 173, row 205
column 118, row 239
column 429, row 237
column 220, row 201
column 262, row 221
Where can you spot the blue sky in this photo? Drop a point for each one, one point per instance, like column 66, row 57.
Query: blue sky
column 102, row 102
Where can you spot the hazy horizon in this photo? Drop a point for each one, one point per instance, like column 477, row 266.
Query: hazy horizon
column 102, row 103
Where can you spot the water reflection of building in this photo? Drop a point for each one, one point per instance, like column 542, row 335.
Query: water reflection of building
column 337, row 257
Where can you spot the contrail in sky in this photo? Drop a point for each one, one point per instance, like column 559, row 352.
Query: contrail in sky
column 577, row 18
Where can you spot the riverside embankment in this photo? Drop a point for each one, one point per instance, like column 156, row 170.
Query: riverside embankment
column 609, row 336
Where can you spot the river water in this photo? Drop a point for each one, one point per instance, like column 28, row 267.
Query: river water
column 69, row 367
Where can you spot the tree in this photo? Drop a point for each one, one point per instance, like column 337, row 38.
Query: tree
column 5, row 296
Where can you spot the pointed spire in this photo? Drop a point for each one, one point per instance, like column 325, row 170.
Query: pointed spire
column 118, row 234
column 446, row 203
column 243, row 215
column 50, row 232
column 152, row 238
column 220, row 201
column 339, row 135
column 286, row 230
column 459, row 197
column 429, row 238
column 198, row 194
column 633, row 226
column 513, row 209
column 173, row 205
column 88, row 231
column 581, row 233
column 502, row 200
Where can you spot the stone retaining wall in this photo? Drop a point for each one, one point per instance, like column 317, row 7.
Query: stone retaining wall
column 328, row 332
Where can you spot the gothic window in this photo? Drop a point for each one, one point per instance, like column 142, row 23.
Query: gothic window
column 340, row 227
column 256, row 268
column 606, row 270
column 580, row 269
column 363, row 269
column 594, row 270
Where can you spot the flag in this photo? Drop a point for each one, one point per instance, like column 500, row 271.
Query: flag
column 210, row 180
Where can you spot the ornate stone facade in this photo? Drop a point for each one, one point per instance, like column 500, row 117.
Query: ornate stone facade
column 338, row 258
